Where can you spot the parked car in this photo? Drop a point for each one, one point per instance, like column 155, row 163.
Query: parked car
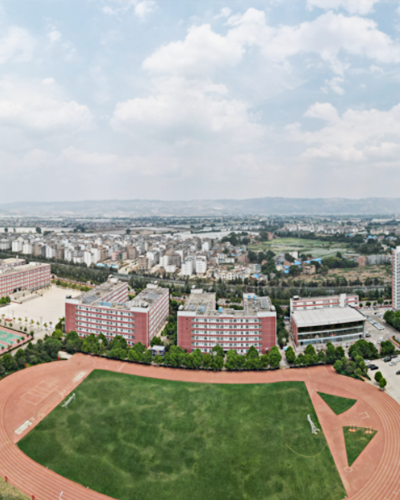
column 393, row 356
column 398, row 372
column 373, row 367
column 387, row 359
column 367, row 361
column 393, row 363
column 368, row 335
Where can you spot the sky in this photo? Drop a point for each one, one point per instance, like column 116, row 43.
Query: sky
column 199, row 99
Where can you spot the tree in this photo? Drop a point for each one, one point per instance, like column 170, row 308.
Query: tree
column 219, row 350
column 156, row 341
column 378, row 376
column 7, row 361
column 39, row 230
column 128, row 231
column 382, row 383
column 52, row 346
column 274, row 357
column 387, row 348
column 147, row 357
column 290, row 354
column 338, row 366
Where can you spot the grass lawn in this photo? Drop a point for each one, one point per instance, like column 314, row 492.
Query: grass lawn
column 356, row 442
column 133, row 437
column 336, row 403
column 9, row 492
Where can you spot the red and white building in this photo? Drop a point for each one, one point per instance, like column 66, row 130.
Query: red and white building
column 107, row 309
column 302, row 304
column 30, row 277
column 201, row 326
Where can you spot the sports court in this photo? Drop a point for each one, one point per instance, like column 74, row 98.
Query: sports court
column 8, row 338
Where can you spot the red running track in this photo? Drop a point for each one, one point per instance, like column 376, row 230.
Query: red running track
column 32, row 393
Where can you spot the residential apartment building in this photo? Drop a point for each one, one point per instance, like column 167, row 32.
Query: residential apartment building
column 396, row 279
column 107, row 309
column 201, row 326
column 28, row 277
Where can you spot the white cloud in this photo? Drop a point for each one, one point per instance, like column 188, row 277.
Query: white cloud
column 224, row 12
column 200, row 53
column 144, row 8
column 54, row 35
column 48, row 81
column 17, row 44
column 357, row 135
column 352, row 6
column 326, row 36
column 335, row 84
column 181, row 109
column 39, row 108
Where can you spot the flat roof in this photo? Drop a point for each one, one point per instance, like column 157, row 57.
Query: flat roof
column 203, row 303
column 18, row 269
column 96, row 294
column 149, row 295
column 327, row 316
column 322, row 297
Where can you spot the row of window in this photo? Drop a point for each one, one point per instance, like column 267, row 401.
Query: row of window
column 212, row 320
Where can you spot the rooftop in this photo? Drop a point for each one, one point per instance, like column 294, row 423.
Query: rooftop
column 19, row 269
column 203, row 303
column 327, row 316
column 148, row 296
column 96, row 294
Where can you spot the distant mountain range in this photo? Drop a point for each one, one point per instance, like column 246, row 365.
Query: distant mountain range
column 255, row 206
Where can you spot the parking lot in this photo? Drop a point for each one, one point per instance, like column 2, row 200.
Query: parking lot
column 389, row 373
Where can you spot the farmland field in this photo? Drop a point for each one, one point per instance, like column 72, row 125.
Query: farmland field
column 316, row 247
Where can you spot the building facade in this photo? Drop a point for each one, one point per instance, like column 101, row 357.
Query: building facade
column 201, row 326
column 319, row 320
column 396, row 279
column 28, row 277
column 107, row 309
column 307, row 303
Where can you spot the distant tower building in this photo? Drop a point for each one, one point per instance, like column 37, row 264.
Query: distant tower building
column 396, row 279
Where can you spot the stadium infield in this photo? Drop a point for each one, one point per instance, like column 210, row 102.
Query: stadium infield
column 28, row 396
column 135, row 437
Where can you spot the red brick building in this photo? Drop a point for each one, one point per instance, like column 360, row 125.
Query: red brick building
column 107, row 309
column 28, row 277
column 201, row 326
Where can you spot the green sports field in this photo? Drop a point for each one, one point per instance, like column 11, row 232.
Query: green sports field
column 139, row 438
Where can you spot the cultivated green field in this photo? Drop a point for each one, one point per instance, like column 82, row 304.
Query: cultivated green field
column 139, row 438
column 316, row 247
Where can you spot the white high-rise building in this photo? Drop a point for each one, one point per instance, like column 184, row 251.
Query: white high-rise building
column 396, row 279
column 16, row 246
column 201, row 265
column 187, row 268
column 165, row 261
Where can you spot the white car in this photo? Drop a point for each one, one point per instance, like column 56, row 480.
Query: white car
column 393, row 363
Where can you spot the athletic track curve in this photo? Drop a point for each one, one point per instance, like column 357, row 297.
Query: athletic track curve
column 30, row 394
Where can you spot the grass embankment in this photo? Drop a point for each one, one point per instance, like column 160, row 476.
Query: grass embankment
column 133, row 437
